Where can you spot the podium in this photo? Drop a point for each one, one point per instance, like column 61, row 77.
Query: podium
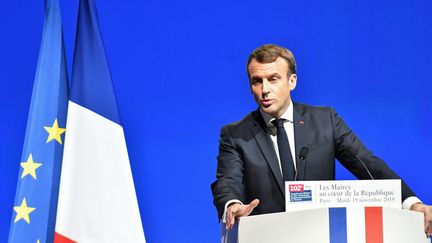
column 331, row 225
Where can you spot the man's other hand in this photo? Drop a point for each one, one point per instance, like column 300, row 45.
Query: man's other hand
column 427, row 211
column 237, row 210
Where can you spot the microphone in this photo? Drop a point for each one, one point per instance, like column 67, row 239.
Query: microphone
column 303, row 154
column 354, row 152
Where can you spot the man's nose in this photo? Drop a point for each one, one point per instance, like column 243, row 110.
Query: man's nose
column 265, row 87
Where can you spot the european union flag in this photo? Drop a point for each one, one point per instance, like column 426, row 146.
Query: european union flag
column 34, row 211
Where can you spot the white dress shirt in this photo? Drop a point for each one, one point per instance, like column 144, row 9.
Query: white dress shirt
column 289, row 129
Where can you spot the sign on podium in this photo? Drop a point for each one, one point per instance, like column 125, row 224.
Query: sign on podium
column 334, row 212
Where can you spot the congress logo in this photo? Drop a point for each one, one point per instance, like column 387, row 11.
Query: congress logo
column 299, row 193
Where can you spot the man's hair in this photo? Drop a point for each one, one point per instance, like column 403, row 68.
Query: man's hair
column 269, row 53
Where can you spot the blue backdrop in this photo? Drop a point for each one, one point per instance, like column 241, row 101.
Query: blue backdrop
column 179, row 72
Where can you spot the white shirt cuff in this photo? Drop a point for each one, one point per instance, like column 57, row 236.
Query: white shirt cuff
column 226, row 206
column 407, row 203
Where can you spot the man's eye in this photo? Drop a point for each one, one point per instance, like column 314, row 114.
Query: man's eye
column 274, row 79
column 256, row 81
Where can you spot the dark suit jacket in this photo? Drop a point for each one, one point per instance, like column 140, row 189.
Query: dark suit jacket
column 248, row 167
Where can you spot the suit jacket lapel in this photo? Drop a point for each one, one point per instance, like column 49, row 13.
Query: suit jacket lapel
column 266, row 145
column 300, row 134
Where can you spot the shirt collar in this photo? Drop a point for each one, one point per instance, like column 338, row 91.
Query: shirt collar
column 287, row 115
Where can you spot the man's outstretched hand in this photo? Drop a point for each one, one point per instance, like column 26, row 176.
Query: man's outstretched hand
column 237, row 210
column 427, row 211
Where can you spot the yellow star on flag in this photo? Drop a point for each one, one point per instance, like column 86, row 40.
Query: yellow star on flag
column 23, row 211
column 55, row 132
column 30, row 167
column 38, row 241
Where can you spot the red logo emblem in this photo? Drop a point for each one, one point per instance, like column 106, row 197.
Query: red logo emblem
column 296, row 187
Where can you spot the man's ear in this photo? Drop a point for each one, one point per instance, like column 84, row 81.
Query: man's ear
column 292, row 81
column 250, row 86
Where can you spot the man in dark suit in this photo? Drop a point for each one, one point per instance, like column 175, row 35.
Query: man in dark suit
column 283, row 141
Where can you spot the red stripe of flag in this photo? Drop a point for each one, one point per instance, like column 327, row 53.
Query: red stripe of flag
column 374, row 225
column 58, row 238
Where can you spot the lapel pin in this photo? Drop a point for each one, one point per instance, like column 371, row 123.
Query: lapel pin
column 301, row 122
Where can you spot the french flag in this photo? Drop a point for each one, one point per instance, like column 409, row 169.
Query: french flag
column 369, row 225
column 97, row 200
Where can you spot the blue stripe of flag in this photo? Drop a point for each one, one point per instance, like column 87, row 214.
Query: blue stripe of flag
column 338, row 225
column 91, row 85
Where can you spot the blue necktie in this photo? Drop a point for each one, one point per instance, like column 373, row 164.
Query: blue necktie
column 285, row 156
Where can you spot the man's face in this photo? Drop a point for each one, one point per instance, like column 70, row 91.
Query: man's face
column 271, row 85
